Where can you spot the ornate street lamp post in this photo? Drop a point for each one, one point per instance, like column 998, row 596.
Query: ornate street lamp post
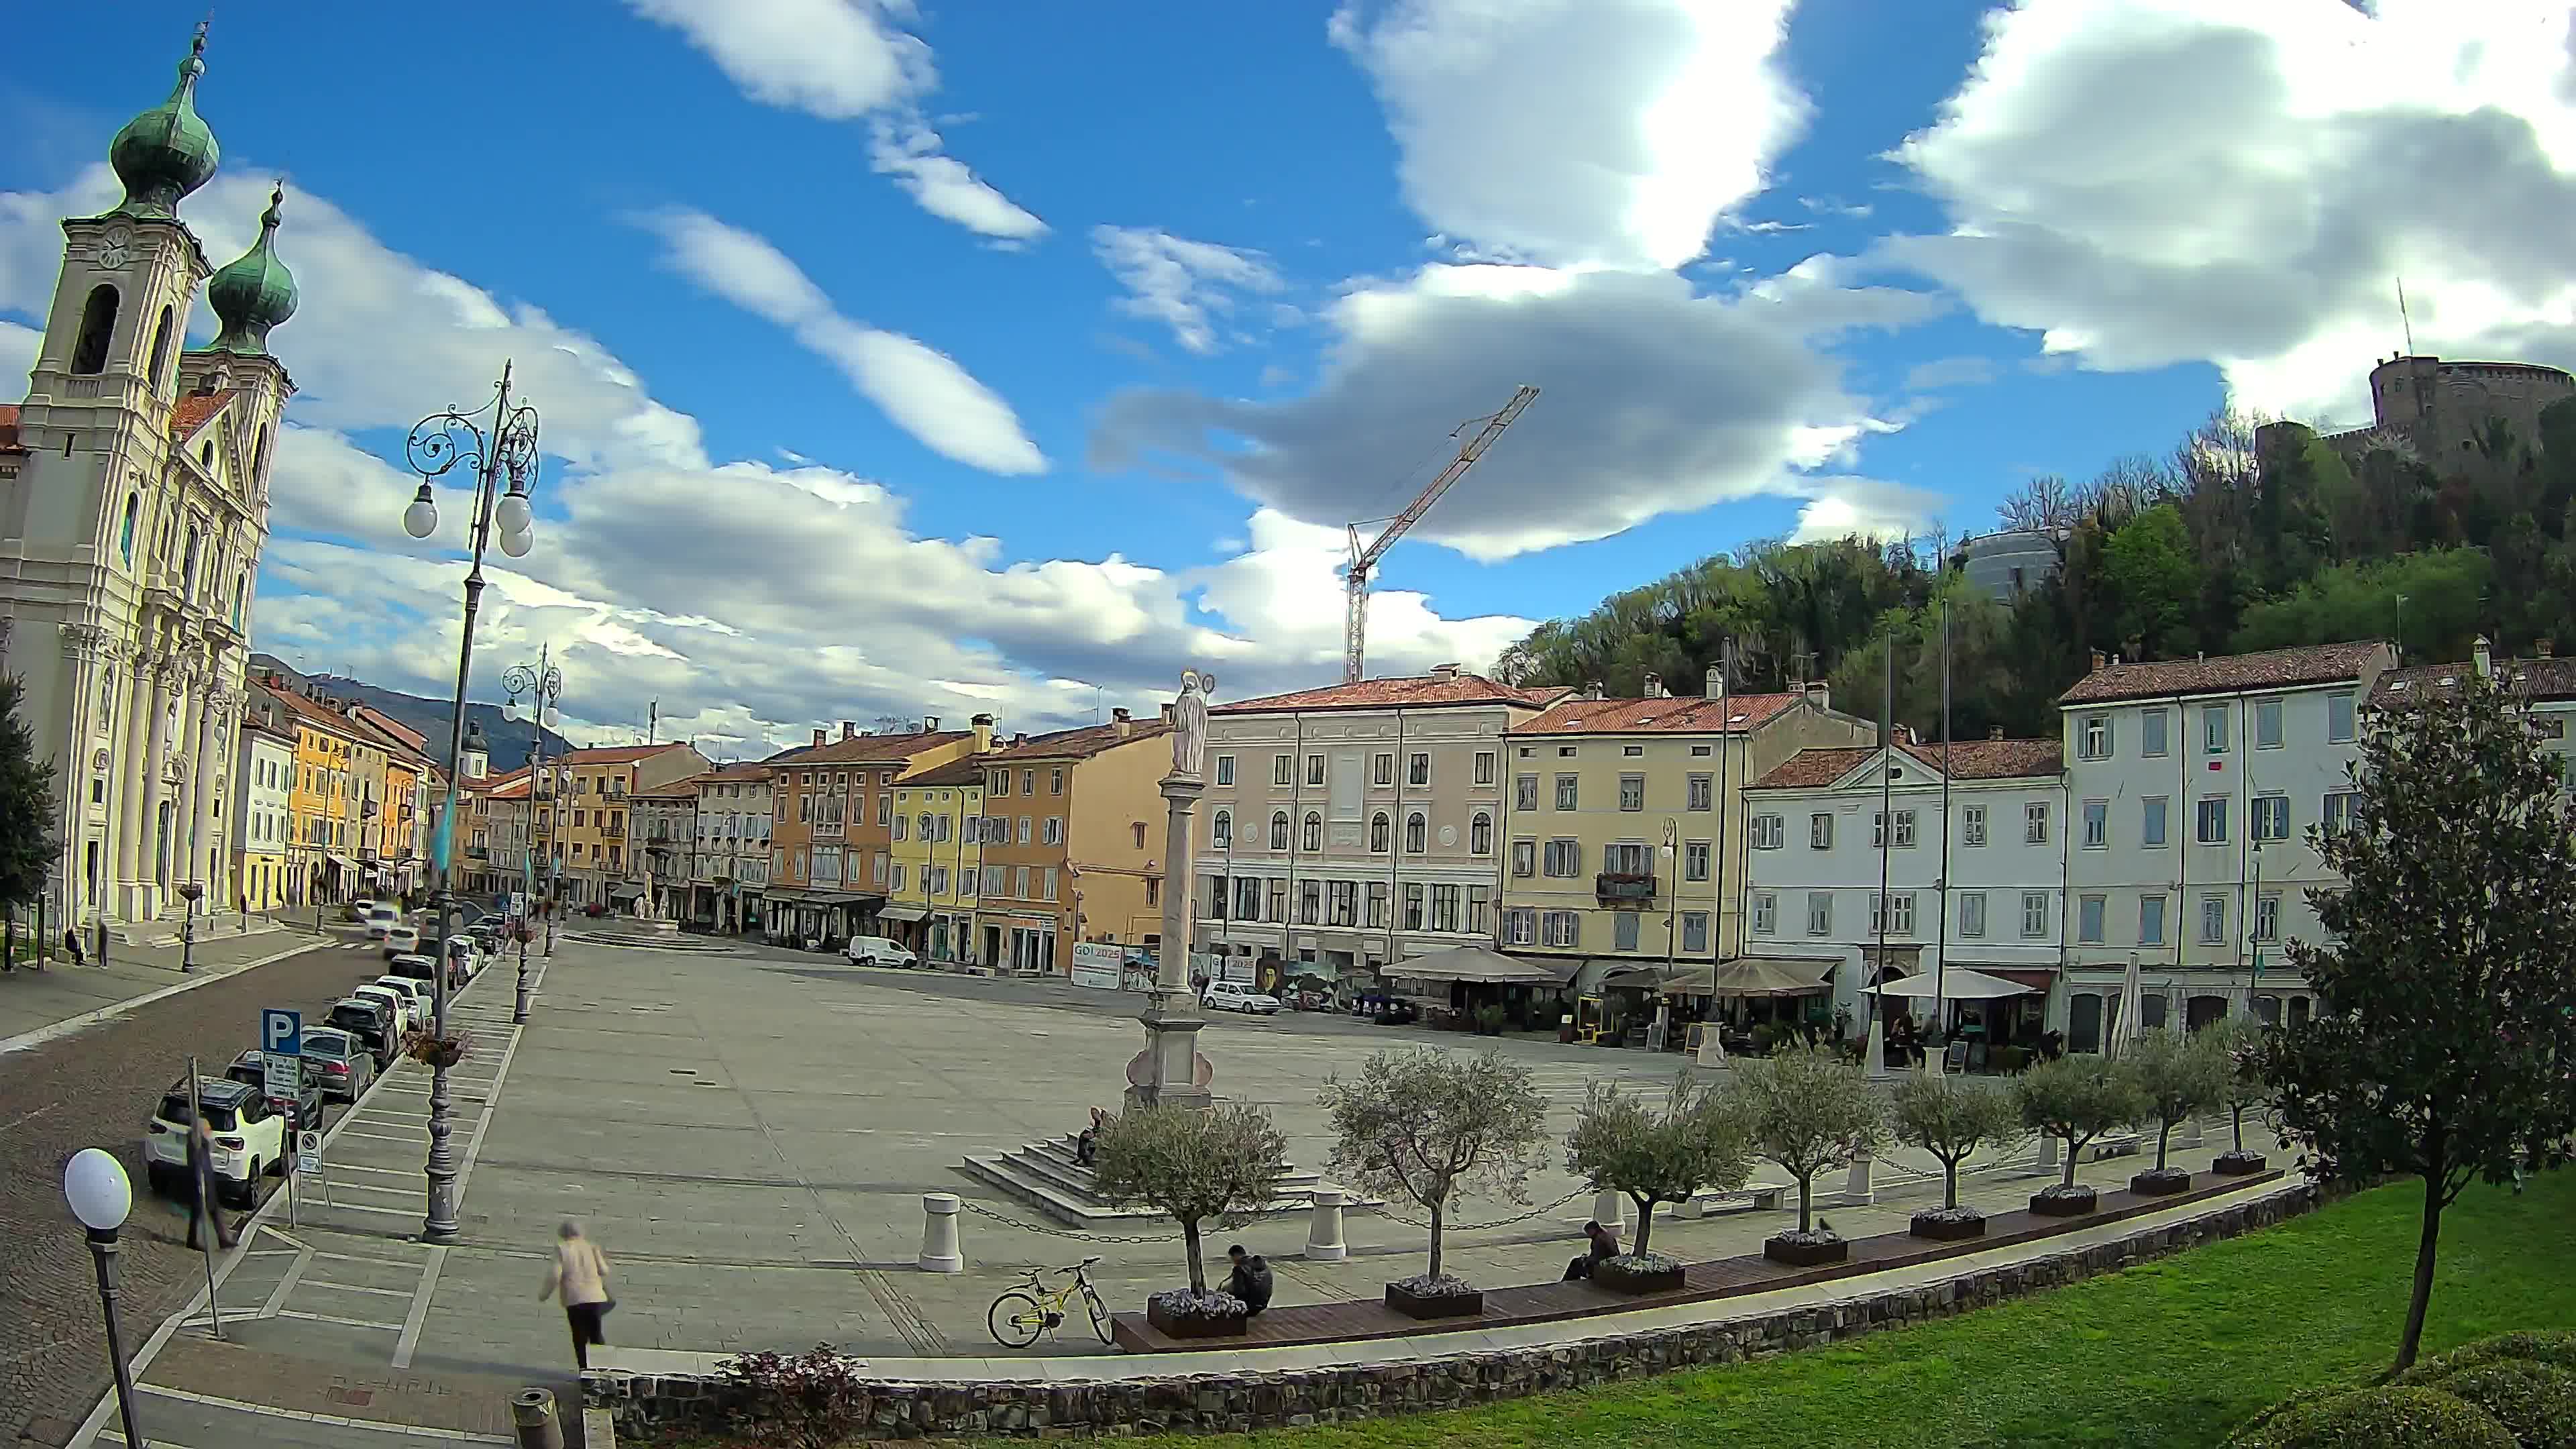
column 191, row 892
column 543, row 684
column 501, row 453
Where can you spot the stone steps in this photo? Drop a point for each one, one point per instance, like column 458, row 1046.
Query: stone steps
column 1045, row 1176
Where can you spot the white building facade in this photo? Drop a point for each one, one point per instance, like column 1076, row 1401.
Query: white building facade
column 732, row 828
column 133, row 511
column 1340, row 826
column 2191, row 784
column 1819, row 857
column 262, row 825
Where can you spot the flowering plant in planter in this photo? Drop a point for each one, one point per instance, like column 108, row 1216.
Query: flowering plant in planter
column 432, row 1050
column 1622, row 1143
column 1205, row 1166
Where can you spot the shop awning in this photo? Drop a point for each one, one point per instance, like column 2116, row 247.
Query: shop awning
column 1957, row 983
column 1753, row 976
column 343, row 862
column 820, row 898
column 625, row 890
column 1474, row 963
column 904, row 913
column 2035, row 978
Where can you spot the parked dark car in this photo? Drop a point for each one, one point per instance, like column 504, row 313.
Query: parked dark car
column 310, row 1103
column 339, row 1061
column 371, row 1024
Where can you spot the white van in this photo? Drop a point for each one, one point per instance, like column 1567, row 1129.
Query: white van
column 878, row 951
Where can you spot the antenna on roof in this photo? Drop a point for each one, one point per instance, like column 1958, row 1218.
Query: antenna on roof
column 2402, row 316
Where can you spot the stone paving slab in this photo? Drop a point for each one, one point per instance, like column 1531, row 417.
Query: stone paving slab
column 37, row 1006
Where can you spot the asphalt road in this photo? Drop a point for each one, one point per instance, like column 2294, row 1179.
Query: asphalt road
column 97, row 1089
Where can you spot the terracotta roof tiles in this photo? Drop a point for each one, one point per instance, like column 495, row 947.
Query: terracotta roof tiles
column 9, row 440
column 865, row 748
column 1422, row 691
column 1969, row 760
column 2226, row 674
column 190, row 412
column 965, row 770
column 1690, row 714
column 617, row 754
column 2538, row 679
column 1078, row 744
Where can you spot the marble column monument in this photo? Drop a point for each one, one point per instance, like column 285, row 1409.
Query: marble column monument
column 1170, row 1072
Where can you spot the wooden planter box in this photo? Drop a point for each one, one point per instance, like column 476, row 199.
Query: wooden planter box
column 2239, row 1164
column 1610, row 1273
column 2164, row 1183
column 2064, row 1204
column 1192, row 1325
column 1805, row 1255
column 1430, row 1305
column 1946, row 1230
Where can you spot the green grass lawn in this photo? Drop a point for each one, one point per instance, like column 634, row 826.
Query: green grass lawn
column 2177, row 1352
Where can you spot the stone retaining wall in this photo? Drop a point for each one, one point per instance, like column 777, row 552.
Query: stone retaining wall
column 1239, row 1401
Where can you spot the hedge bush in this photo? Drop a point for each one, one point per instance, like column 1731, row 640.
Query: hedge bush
column 2536, row 1402
column 2558, row 1350
column 2398, row 1417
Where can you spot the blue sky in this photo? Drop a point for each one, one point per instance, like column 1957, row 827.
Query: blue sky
column 908, row 359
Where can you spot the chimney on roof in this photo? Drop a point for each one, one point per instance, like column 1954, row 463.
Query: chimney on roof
column 2484, row 656
column 820, row 735
column 1444, row 671
column 1994, row 732
column 1592, row 690
column 2541, row 648
column 1819, row 693
column 1021, row 738
column 1716, row 682
column 983, row 724
column 1167, row 712
column 1654, row 686
column 849, row 729
column 1126, row 723
column 2097, row 661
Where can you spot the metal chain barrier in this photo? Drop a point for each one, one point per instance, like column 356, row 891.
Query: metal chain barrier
column 1540, row 1211
column 981, row 1211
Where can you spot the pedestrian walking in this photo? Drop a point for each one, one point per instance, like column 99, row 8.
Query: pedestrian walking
column 580, row 1275
column 205, row 1207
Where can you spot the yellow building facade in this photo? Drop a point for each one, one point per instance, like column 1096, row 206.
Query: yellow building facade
column 937, row 858
column 1623, row 827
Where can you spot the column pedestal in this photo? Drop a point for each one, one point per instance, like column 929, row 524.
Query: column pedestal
column 1169, row 1072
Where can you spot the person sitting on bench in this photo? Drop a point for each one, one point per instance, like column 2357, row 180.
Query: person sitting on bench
column 1604, row 1244
column 1250, row 1280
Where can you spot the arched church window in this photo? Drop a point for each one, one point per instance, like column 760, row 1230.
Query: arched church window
column 259, row 455
column 160, row 346
column 125, row 533
column 188, row 569
column 98, row 324
column 241, row 589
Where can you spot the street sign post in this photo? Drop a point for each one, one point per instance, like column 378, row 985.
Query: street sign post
column 281, row 1042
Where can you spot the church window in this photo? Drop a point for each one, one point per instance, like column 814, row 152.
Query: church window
column 259, row 458
column 160, row 346
column 98, row 324
column 188, row 568
column 125, row 534
column 241, row 585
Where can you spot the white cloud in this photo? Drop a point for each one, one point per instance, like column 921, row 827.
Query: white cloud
column 844, row 60
column 1185, row 285
column 1653, row 400
column 1947, row 372
column 1578, row 132
column 924, row 391
column 1838, row 507
column 2305, row 156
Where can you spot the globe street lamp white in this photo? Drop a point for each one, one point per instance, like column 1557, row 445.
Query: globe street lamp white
column 516, row 545
column 421, row 519
column 511, row 515
column 94, row 1183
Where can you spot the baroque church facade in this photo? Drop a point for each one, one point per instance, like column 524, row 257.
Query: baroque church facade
column 133, row 512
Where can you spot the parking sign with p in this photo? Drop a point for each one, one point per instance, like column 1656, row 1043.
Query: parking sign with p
column 281, row 1040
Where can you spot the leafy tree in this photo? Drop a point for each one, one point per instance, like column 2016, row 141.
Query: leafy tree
column 2154, row 576
column 1622, row 1143
column 2442, row 588
column 1434, row 1125
column 2176, row 1079
column 30, row 840
column 1809, row 1113
column 2075, row 1099
column 1951, row 1117
column 1215, row 1165
column 2445, row 1054
column 2237, row 1042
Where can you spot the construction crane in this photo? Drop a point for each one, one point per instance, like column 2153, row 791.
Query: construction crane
column 1364, row 559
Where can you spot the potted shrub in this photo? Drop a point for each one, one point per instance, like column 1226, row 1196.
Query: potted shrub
column 1810, row 1113
column 2175, row 1078
column 1951, row 1117
column 2237, row 1041
column 2074, row 1099
column 1622, row 1143
column 1489, row 1019
column 1215, row 1166
column 1433, row 1126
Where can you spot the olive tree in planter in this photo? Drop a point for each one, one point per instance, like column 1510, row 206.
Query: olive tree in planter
column 2074, row 1099
column 2237, row 1042
column 1435, row 1126
column 1622, row 1143
column 2176, row 1078
column 1951, row 1117
column 1810, row 1113
column 1212, row 1166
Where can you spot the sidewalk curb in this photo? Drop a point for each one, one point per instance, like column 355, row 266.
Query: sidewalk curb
column 70, row 1024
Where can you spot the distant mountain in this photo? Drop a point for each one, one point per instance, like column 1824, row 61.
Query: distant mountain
column 509, row 742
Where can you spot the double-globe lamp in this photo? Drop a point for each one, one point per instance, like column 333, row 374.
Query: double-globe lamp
column 511, row 519
column 95, row 1185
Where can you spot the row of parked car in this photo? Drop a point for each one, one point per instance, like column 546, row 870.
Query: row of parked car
column 342, row 1055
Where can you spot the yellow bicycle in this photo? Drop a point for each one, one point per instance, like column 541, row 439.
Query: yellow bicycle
column 1030, row 1308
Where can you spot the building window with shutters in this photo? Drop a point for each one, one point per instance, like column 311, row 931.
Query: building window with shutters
column 1412, row 906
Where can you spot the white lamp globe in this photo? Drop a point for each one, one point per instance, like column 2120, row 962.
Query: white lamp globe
column 510, row 710
column 510, row 514
column 421, row 519
column 516, row 545
column 94, row 1183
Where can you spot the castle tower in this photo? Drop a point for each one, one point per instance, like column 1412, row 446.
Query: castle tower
column 132, row 521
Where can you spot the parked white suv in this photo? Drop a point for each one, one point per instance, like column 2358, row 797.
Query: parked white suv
column 249, row 1138
column 878, row 951
column 1235, row 996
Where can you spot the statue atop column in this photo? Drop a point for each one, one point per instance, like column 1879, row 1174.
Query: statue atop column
column 1190, row 724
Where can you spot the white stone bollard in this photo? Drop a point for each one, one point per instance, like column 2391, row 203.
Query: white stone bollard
column 2048, row 1155
column 2191, row 1133
column 1877, row 1048
column 1610, row 1210
column 1856, row 1190
column 1324, row 1235
column 939, row 1234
